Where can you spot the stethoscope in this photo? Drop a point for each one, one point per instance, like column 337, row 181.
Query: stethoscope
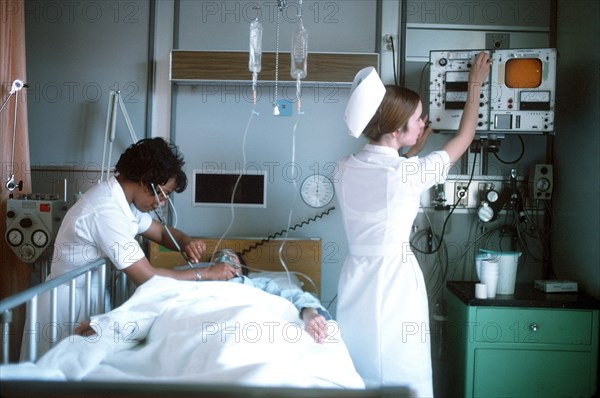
column 160, row 215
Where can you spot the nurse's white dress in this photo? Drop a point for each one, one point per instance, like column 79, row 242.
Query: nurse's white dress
column 382, row 298
column 101, row 224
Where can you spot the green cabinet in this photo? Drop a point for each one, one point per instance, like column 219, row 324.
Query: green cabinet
column 528, row 344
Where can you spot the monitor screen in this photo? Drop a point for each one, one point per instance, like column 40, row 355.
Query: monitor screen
column 523, row 73
column 216, row 188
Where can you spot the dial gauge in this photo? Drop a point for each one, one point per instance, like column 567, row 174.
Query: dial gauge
column 14, row 237
column 317, row 190
column 39, row 238
column 492, row 196
column 543, row 184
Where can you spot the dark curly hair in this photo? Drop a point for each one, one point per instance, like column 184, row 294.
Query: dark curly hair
column 153, row 161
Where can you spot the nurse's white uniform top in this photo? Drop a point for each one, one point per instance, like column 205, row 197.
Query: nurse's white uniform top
column 101, row 224
column 382, row 299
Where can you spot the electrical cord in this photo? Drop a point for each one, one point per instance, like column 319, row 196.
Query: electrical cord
column 394, row 60
column 461, row 195
column 421, row 78
column 518, row 158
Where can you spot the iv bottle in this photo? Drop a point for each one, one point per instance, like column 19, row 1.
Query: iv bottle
column 254, row 63
column 299, row 54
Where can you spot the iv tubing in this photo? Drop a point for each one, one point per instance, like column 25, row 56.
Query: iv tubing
column 252, row 114
column 280, row 252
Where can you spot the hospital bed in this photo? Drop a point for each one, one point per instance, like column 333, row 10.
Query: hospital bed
column 197, row 339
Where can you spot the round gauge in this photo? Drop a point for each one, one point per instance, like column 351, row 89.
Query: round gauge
column 491, row 196
column 485, row 212
column 317, row 190
column 14, row 237
column 543, row 184
column 27, row 253
column 39, row 238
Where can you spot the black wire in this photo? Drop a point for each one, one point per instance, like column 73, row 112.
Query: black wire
column 421, row 78
column 520, row 156
column 284, row 231
column 394, row 59
column 465, row 192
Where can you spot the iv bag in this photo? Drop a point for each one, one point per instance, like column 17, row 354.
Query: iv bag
column 299, row 54
column 254, row 64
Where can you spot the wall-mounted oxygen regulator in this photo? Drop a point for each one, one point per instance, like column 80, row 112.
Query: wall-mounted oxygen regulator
column 489, row 195
column 32, row 222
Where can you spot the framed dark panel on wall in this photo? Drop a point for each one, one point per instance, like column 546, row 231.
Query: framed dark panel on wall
column 216, row 188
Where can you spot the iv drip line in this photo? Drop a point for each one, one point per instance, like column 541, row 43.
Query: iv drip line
column 298, row 56
column 248, row 124
column 280, row 251
column 254, row 62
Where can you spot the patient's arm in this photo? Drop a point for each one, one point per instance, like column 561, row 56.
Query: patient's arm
column 315, row 324
column 84, row 329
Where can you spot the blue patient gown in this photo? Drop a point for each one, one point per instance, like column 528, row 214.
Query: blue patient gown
column 295, row 295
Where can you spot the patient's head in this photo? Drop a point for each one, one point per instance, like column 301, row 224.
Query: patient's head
column 230, row 257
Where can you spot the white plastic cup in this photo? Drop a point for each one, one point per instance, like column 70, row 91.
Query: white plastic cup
column 490, row 270
column 480, row 291
column 508, row 273
column 491, row 283
column 478, row 259
column 508, row 267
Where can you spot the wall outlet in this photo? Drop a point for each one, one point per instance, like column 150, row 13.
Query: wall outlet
column 461, row 194
column 497, row 41
column 389, row 42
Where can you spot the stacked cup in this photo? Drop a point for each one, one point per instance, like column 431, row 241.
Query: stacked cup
column 489, row 276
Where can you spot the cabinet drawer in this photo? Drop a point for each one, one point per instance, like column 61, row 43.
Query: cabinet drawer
column 533, row 326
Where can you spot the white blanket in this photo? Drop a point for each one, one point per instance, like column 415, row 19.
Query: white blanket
column 209, row 332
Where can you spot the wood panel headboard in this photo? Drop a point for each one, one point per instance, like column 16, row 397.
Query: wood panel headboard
column 300, row 255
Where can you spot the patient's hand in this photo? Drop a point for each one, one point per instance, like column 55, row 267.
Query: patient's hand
column 315, row 324
column 219, row 272
column 84, row 329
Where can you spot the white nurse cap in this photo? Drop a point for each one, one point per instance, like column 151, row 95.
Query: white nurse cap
column 367, row 94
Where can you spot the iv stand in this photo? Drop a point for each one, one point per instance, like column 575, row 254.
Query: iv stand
column 109, row 134
column 17, row 85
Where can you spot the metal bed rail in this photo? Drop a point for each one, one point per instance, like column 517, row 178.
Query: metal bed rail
column 30, row 297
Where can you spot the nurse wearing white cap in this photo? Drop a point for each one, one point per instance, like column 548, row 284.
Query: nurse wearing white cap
column 382, row 298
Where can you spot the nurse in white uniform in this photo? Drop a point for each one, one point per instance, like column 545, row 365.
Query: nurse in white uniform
column 105, row 223
column 382, row 298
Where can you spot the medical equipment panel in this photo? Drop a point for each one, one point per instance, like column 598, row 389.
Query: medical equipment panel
column 32, row 222
column 518, row 98
column 523, row 84
column 449, row 74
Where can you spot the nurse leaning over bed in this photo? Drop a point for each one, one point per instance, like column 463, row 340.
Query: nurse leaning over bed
column 107, row 219
column 382, row 298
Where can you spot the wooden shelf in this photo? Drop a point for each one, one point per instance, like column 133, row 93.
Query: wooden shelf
column 203, row 66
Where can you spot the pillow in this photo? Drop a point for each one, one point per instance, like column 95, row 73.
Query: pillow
column 280, row 278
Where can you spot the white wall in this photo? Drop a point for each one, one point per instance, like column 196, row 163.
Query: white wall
column 208, row 121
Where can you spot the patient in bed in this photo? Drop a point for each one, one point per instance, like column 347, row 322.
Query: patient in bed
column 312, row 313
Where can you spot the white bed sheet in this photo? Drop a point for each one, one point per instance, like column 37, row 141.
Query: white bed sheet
column 209, row 332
